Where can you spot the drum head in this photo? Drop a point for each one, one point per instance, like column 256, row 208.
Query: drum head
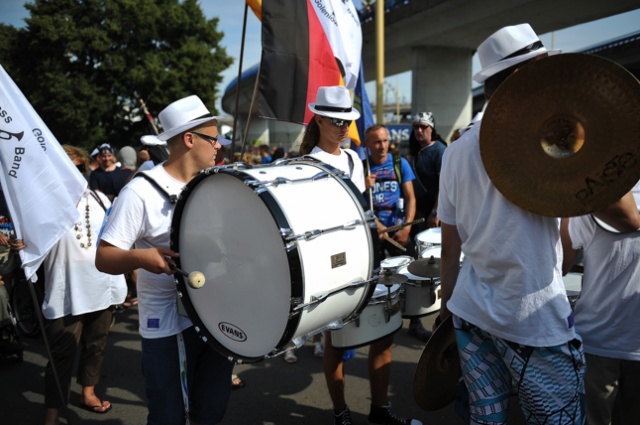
column 431, row 236
column 222, row 229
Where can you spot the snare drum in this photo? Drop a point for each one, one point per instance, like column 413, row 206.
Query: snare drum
column 420, row 295
column 573, row 286
column 287, row 250
column 394, row 263
column 380, row 318
column 428, row 238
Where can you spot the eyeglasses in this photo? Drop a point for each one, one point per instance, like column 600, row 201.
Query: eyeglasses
column 420, row 127
column 206, row 137
column 339, row 123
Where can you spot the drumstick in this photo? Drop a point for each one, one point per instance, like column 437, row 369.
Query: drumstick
column 400, row 226
column 195, row 279
column 393, row 242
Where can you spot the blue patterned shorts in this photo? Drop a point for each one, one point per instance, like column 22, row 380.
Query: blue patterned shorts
column 548, row 380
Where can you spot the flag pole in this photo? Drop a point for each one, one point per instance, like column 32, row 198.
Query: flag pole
column 235, row 114
column 149, row 117
column 253, row 102
column 379, row 61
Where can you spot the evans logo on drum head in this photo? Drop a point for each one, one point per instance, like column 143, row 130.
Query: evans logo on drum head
column 232, row 332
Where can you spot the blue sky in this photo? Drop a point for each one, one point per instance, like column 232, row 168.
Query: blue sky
column 231, row 15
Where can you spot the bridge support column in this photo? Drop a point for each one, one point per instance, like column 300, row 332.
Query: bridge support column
column 441, row 83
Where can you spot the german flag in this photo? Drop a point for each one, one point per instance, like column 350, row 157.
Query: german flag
column 299, row 55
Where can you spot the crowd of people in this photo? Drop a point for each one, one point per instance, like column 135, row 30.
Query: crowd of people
column 515, row 329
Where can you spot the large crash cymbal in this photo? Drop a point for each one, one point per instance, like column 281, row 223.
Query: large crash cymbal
column 560, row 136
column 438, row 370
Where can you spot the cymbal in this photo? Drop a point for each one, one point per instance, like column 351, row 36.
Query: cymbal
column 438, row 370
column 390, row 279
column 559, row 136
column 425, row 267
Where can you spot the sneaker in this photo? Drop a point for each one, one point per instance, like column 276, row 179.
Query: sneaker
column 318, row 349
column 382, row 415
column 416, row 329
column 342, row 418
column 290, row 357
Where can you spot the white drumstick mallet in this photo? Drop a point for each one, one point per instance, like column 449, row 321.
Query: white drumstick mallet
column 196, row 280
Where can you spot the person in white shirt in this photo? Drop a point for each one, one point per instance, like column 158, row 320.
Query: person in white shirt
column 324, row 135
column 608, row 310
column 141, row 217
column 513, row 322
column 77, row 304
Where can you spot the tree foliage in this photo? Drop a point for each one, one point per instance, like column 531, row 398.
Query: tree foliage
column 85, row 64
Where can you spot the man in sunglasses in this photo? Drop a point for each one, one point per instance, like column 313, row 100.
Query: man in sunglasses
column 108, row 178
column 426, row 152
column 141, row 217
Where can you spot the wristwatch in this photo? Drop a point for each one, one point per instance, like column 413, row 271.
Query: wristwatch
column 434, row 212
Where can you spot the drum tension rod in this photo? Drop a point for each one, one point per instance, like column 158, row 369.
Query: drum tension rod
column 312, row 234
column 319, row 298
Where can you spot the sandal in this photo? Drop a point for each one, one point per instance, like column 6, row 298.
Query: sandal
column 236, row 382
column 416, row 329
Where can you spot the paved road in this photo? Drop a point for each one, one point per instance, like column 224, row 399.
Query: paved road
column 276, row 392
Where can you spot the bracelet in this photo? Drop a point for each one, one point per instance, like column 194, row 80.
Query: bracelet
column 434, row 212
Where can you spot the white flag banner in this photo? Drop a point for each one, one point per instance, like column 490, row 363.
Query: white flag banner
column 341, row 24
column 41, row 185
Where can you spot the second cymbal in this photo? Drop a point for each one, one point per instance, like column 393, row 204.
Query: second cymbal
column 425, row 267
column 390, row 279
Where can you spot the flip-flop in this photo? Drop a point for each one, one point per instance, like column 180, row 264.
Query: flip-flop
column 93, row 408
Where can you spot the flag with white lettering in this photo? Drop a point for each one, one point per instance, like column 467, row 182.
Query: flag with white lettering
column 41, row 185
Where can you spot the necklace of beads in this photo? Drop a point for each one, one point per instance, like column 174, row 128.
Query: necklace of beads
column 78, row 228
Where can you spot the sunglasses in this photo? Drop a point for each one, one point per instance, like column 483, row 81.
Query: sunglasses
column 420, row 127
column 206, row 137
column 81, row 168
column 339, row 123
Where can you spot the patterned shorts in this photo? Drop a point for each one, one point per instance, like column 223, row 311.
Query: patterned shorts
column 548, row 380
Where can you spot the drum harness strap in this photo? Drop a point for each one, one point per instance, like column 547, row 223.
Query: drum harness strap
column 182, row 352
column 173, row 199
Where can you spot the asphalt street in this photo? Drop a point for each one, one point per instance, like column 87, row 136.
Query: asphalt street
column 275, row 392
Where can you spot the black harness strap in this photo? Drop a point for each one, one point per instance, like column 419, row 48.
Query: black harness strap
column 173, row 199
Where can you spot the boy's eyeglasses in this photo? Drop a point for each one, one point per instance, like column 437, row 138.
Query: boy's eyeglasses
column 206, row 137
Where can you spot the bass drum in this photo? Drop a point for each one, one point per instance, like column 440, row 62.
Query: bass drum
column 287, row 250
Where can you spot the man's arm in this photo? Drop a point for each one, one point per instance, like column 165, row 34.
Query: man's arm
column 409, row 196
column 449, row 266
column 569, row 254
column 621, row 215
column 113, row 260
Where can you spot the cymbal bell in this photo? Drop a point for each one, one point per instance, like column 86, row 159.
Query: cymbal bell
column 559, row 136
column 425, row 267
column 438, row 370
column 390, row 279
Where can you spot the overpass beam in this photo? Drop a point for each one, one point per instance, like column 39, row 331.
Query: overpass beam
column 441, row 83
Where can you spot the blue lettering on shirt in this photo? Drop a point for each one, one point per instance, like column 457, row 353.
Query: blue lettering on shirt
column 153, row 323
column 570, row 320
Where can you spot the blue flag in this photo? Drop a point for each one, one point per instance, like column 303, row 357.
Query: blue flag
column 361, row 103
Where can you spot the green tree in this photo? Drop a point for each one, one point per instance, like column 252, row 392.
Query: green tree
column 85, row 64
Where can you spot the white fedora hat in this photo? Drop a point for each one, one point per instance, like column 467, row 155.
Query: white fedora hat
column 182, row 115
column 507, row 47
column 334, row 102
column 151, row 140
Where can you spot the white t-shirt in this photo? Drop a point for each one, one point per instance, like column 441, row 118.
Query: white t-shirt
column 73, row 285
column 510, row 283
column 608, row 312
column 341, row 162
column 141, row 216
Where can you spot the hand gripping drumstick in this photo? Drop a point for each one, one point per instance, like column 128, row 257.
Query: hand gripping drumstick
column 195, row 279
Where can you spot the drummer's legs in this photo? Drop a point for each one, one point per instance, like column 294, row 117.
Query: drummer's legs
column 332, row 362
column 379, row 370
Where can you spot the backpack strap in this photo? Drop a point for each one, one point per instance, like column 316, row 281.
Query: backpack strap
column 173, row 199
column 398, row 168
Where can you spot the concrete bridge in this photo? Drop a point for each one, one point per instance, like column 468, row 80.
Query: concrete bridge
column 436, row 40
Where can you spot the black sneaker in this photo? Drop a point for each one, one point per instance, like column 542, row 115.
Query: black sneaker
column 416, row 329
column 342, row 418
column 382, row 415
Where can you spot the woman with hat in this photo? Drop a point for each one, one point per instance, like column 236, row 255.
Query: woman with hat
column 323, row 139
column 142, row 217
